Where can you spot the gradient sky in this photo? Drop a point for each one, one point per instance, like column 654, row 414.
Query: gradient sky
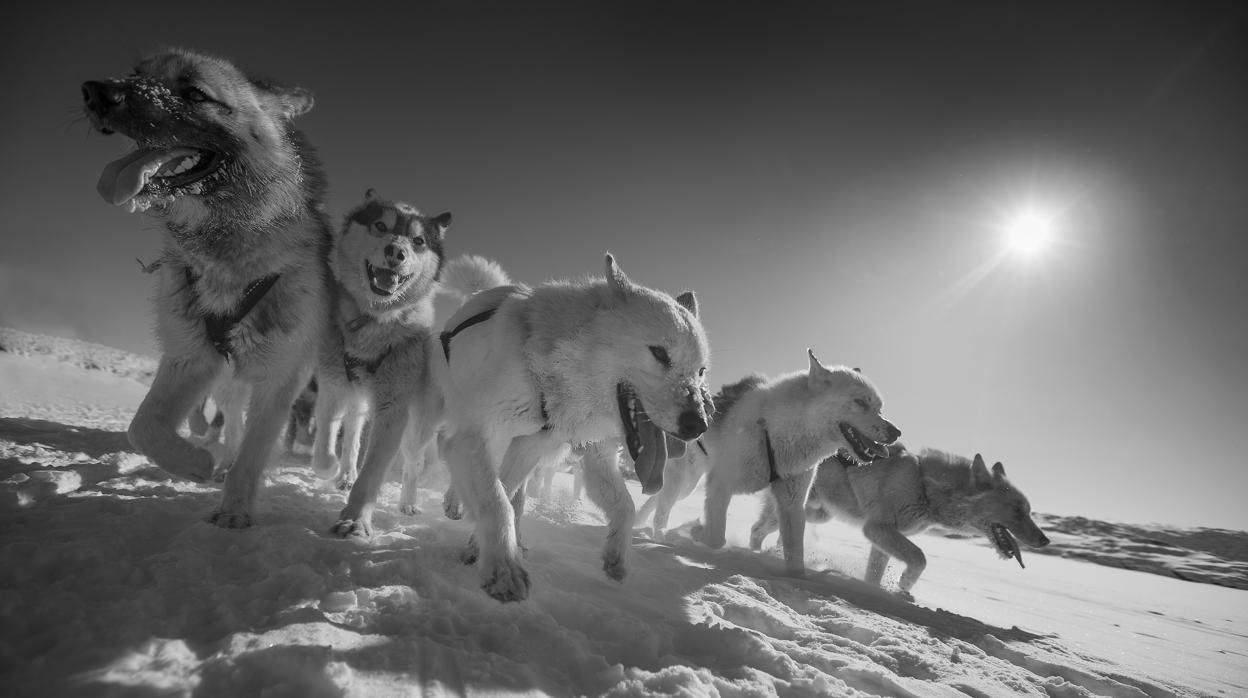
column 825, row 175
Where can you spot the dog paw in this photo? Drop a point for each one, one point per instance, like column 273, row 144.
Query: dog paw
column 344, row 484
column 470, row 553
column 220, row 475
column 231, row 520
column 905, row 595
column 507, row 581
column 451, row 506
column 352, row 528
column 614, row 565
column 409, row 509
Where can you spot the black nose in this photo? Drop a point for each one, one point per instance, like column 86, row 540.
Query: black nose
column 101, row 96
column 395, row 253
column 691, row 424
column 893, row 433
column 1044, row 540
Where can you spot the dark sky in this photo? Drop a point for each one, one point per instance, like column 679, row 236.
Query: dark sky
column 825, row 175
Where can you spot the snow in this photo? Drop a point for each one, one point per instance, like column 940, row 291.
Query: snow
column 112, row 583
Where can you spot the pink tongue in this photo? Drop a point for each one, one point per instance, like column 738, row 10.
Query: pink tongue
column 123, row 179
column 652, row 458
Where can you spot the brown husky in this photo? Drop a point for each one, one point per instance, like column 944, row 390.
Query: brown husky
column 904, row 494
column 244, row 279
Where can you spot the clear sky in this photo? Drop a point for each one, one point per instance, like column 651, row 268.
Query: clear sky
column 824, row 175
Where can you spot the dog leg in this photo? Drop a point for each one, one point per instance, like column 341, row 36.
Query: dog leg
column 329, row 410
column 606, row 489
column 416, row 461
column 197, row 422
column 790, row 495
column 270, row 401
column 356, row 519
column 474, row 477
column 353, row 443
column 231, row 398
column 877, row 563
column 181, row 382
column 768, row 523
column 715, row 515
column 891, row 541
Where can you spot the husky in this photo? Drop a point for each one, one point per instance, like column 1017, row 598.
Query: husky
column 905, row 494
column 774, row 435
column 243, row 283
column 531, row 373
column 300, row 428
column 387, row 262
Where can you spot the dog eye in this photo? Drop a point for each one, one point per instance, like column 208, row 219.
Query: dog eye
column 194, row 94
column 418, row 241
column 862, row 403
column 660, row 355
column 702, row 372
column 380, row 226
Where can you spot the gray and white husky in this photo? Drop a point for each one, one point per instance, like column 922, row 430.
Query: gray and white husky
column 528, row 372
column 904, row 494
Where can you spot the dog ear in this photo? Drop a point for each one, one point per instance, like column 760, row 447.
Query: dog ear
column 295, row 101
column 371, row 194
column 616, row 279
column 689, row 302
column 818, row 375
column 979, row 473
column 998, row 470
column 442, row 221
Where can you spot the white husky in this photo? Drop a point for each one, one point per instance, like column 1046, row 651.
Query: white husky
column 527, row 371
column 775, row 434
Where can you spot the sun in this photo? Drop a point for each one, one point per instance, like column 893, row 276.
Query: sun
column 1029, row 232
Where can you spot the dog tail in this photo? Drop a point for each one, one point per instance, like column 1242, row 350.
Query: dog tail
column 468, row 274
column 728, row 395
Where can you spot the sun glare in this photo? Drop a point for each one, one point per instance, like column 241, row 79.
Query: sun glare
column 1029, row 232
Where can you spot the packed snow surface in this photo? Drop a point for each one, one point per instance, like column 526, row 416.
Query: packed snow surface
column 112, row 583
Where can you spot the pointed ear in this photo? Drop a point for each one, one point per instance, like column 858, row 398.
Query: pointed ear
column 442, row 221
column 979, row 472
column 998, row 470
column 370, row 195
column 818, row 375
column 689, row 302
column 616, row 279
column 291, row 101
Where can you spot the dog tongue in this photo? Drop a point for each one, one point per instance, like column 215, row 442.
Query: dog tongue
column 652, row 456
column 123, row 178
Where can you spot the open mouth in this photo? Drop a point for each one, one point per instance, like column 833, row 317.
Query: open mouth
column 150, row 174
column 646, row 442
column 862, row 449
column 383, row 281
column 1007, row 547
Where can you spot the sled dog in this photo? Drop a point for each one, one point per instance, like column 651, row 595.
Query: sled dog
column 387, row 263
column 243, row 280
column 300, row 428
column 528, row 371
column 904, row 494
column 776, row 433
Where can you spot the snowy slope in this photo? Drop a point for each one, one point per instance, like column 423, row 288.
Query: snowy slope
column 112, row 584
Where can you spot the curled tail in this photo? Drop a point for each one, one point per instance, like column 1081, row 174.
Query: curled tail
column 467, row 274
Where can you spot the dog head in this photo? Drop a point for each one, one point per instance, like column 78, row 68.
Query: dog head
column 212, row 146
column 654, row 358
column 1001, row 512
column 388, row 252
column 846, row 405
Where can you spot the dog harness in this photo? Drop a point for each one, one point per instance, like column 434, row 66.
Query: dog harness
column 219, row 325
column 771, row 458
column 477, row 319
column 351, row 363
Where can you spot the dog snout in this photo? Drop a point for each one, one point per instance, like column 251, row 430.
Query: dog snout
column 1042, row 541
column 892, row 433
column 395, row 254
column 101, row 96
column 692, row 424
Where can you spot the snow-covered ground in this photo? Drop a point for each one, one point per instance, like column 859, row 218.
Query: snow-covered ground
column 111, row 583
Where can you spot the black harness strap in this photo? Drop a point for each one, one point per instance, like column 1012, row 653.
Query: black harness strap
column 447, row 336
column 771, row 458
column 217, row 325
column 702, row 447
column 351, row 362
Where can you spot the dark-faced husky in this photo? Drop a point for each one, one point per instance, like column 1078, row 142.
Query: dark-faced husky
column 374, row 357
column 244, row 279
